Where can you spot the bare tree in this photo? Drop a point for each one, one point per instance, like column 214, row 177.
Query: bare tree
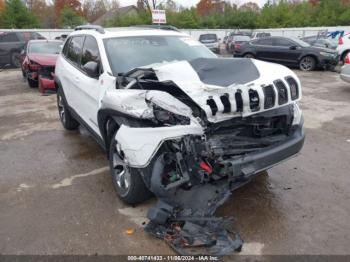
column 148, row 4
column 111, row 4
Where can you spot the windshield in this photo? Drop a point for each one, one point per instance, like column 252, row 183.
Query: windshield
column 127, row 53
column 242, row 38
column 45, row 47
column 211, row 37
column 300, row 42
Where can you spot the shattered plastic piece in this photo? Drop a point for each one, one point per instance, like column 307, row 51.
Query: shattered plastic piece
column 190, row 227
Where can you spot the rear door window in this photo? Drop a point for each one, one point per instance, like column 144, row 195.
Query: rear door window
column 263, row 41
column 90, row 51
column 282, row 42
column 8, row 37
column 66, row 46
column 75, row 47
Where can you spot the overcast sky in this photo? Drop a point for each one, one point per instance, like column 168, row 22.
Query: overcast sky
column 188, row 3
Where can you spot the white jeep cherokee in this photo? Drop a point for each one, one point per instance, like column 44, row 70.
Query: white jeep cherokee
column 171, row 114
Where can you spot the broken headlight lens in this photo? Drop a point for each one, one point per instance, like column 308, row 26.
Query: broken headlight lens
column 297, row 115
column 168, row 118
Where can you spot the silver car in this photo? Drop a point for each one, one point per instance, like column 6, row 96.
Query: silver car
column 345, row 73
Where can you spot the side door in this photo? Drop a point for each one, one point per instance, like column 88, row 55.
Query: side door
column 8, row 42
column 263, row 48
column 286, row 51
column 90, row 88
column 70, row 72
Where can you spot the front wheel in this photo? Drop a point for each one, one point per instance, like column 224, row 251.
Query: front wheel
column 127, row 181
column 248, row 55
column 307, row 63
column 67, row 119
column 32, row 83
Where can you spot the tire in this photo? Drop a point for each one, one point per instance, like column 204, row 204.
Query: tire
column 32, row 83
column 307, row 63
column 248, row 55
column 127, row 181
column 16, row 59
column 66, row 118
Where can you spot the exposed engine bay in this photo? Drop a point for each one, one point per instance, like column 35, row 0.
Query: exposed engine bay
column 198, row 130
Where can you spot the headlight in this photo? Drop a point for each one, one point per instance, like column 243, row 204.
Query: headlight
column 297, row 114
column 327, row 54
column 166, row 117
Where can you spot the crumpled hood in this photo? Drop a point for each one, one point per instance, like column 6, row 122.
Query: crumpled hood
column 43, row 59
column 221, row 88
column 214, row 83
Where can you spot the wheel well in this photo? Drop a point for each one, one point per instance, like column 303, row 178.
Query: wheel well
column 108, row 126
column 344, row 54
column 57, row 83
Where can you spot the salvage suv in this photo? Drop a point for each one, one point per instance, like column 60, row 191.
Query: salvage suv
column 172, row 115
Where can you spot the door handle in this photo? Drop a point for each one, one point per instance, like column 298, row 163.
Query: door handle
column 77, row 79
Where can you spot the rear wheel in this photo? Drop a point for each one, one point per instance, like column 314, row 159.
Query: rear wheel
column 307, row 63
column 67, row 119
column 16, row 59
column 127, row 181
column 248, row 55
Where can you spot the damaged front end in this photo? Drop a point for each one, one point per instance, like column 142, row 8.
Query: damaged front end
column 202, row 137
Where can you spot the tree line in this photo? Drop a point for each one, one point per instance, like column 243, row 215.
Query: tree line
column 53, row 13
column 207, row 13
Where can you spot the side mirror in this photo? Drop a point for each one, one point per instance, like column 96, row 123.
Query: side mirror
column 23, row 52
column 293, row 47
column 92, row 68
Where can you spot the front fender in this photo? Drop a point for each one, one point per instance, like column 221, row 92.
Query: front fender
column 141, row 144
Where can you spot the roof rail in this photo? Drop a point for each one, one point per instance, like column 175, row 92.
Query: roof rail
column 161, row 27
column 97, row 28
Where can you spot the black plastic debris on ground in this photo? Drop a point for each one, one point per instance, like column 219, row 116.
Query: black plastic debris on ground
column 187, row 222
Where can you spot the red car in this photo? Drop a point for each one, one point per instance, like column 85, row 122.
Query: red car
column 39, row 63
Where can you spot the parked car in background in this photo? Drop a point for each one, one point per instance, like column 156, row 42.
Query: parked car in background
column 345, row 70
column 289, row 52
column 256, row 35
column 237, row 41
column 11, row 45
column 320, row 42
column 343, row 47
column 211, row 41
column 39, row 63
column 61, row 37
column 235, row 33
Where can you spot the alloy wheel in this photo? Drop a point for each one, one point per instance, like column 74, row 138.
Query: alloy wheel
column 121, row 171
column 61, row 109
column 307, row 64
